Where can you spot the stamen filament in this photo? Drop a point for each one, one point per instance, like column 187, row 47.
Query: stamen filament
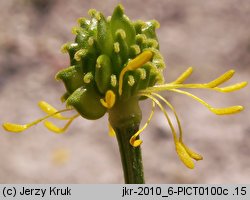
column 211, row 85
column 49, row 125
column 174, row 111
column 165, row 113
column 137, row 62
column 137, row 142
column 180, row 149
column 49, row 109
column 191, row 153
column 19, row 127
column 217, row 111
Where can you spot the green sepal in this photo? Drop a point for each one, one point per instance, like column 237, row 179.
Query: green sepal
column 121, row 21
column 104, row 36
column 86, row 101
column 72, row 77
column 103, row 73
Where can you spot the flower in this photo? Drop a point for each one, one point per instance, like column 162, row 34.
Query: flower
column 115, row 63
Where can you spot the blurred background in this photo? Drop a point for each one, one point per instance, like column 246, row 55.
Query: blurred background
column 212, row 36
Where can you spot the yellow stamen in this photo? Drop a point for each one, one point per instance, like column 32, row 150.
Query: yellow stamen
column 111, row 131
column 49, row 125
column 165, row 113
column 211, row 85
column 221, row 79
column 174, row 111
column 49, row 109
column 232, row 88
column 217, row 111
column 137, row 62
column 191, row 153
column 183, row 76
column 137, row 142
column 109, row 100
column 184, row 156
column 19, row 127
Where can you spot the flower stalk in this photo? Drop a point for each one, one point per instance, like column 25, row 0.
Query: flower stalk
column 130, row 156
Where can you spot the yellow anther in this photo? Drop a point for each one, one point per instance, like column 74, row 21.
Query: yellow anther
column 49, row 125
column 191, row 153
column 49, row 109
column 137, row 142
column 221, row 79
column 111, row 131
column 109, row 99
column 183, row 76
column 184, row 156
column 217, row 111
column 21, row 127
column 232, row 88
column 16, row 128
column 137, row 62
column 226, row 111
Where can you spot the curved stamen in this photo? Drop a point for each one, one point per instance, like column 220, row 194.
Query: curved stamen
column 165, row 113
column 49, row 109
column 137, row 62
column 185, row 154
column 217, row 111
column 19, row 127
column 49, row 125
column 191, row 153
column 174, row 111
column 137, row 142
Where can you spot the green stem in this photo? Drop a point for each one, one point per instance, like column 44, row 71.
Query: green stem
column 130, row 156
column 125, row 118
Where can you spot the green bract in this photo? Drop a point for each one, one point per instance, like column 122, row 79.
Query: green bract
column 102, row 48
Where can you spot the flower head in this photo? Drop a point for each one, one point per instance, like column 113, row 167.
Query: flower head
column 115, row 63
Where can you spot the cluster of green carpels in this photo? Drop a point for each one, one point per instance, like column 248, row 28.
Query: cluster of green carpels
column 101, row 50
